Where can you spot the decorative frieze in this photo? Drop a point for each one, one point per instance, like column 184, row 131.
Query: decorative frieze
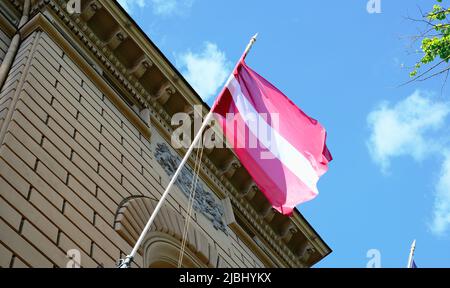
column 204, row 201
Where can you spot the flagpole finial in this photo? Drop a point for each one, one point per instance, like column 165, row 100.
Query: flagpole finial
column 250, row 44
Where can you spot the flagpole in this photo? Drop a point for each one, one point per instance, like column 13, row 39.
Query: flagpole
column 125, row 263
column 411, row 254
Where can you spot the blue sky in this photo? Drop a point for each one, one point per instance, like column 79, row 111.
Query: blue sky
column 390, row 180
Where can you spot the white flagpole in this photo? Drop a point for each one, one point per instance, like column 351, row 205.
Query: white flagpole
column 411, row 254
column 125, row 263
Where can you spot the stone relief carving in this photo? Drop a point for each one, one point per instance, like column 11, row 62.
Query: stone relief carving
column 204, row 201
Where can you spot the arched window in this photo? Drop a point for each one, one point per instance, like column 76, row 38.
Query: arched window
column 163, row 251
column 162, row 244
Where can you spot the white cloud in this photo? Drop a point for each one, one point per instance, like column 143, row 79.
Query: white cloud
column 129, row 5
column 205, row 71
column 159, row 7
column 406, row 128
column 416, row 127
column 164, row 7
column 441, row 214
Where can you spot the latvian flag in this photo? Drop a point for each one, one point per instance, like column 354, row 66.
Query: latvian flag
column 282, row 148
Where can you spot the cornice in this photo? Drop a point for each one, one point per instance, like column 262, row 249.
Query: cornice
column 7, row 14
column 101, row 51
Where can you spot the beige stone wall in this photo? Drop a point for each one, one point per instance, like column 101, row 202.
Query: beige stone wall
column 4, row 44
column 67, row 159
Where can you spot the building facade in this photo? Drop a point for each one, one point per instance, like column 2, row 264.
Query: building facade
column 85, row 153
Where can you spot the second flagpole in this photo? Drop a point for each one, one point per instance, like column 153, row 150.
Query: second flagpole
column 125, row 263
column 411, row 254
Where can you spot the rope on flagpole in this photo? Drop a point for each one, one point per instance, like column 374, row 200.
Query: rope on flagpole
column 126, row 262
column 191, row 204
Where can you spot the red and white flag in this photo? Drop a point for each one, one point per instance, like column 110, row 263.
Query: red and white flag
column 290, row 152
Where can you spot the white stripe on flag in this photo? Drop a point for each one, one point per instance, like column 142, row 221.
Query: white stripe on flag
column 281, row 148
